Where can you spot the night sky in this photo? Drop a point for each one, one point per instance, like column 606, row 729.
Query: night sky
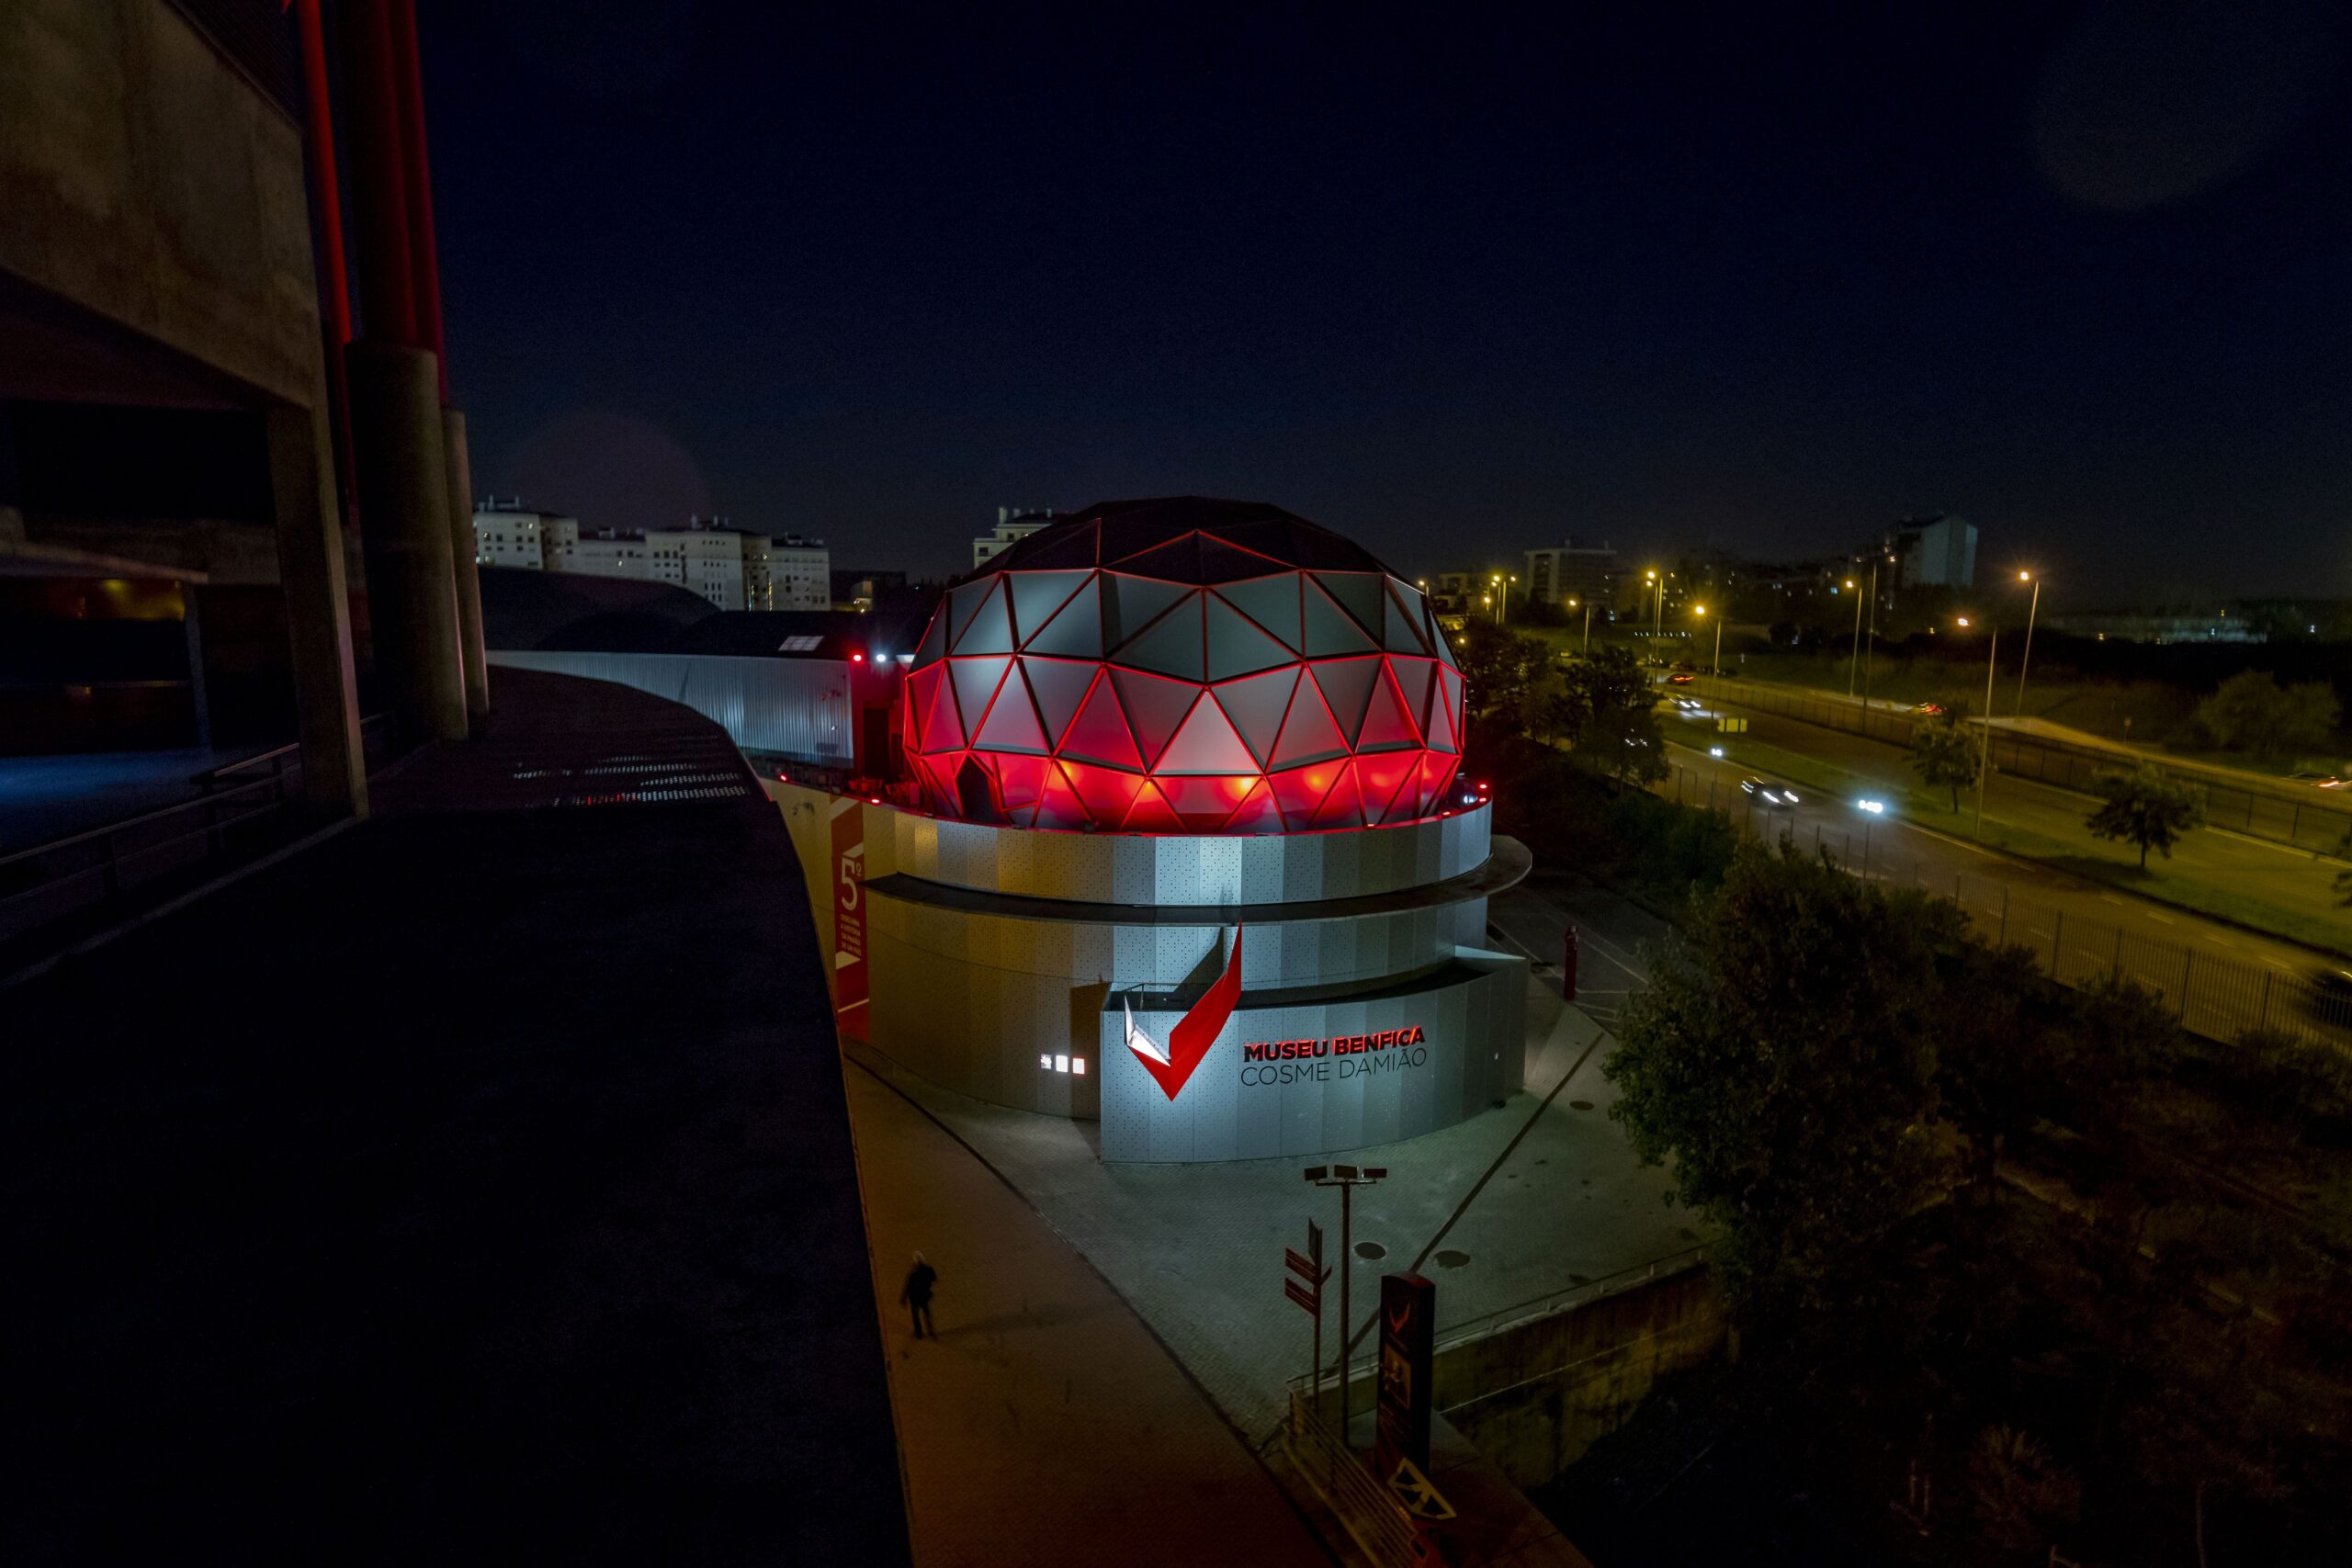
column 1452, row 282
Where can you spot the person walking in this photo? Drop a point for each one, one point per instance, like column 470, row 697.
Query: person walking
column 916, row 1294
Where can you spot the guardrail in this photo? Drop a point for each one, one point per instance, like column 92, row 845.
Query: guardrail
column 2277, row 816
column 1375, row 1519
column 100, row 866
column 2219, row 998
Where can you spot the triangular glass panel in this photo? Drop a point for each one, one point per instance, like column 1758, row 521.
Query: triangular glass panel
column 1179, row 560
column 1386, row 782
column 1021, row 784
column 1439, row 775
column 1131, row 603
column 963, row 602
column 934, row 638
column 990, row 628
column 1360, row 593
column 1076, row 630
column 1271, row 601
column 1206, row 745
column 1205, row 804
column 1155, row 707
column 1132, row 532
column 1107, row 791
column 1308, row 734
column 1329, row 629
column 1037, row 594
column 939, row 778
column 941, row 730
column 1347, row 685
column 1258, row 813
column 1236, row 646
column 1221, row 562
column 1256, row 705
column 1445, row 712
column 1416, row 678
column 1060, row 806
column 1341, row 807
column 1099, row 733
column 1058, row 544
column 1151, row 813
column 1386, row 725
column 1437, row 640
column 975, row 684
column 1059, row 685
column 1012, row 724
column 1300, row 791
column 1403, row 632
column 1170, row 645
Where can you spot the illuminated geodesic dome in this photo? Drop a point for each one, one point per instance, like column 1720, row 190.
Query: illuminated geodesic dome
column 1183, row 665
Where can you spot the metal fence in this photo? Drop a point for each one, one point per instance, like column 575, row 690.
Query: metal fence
column 237, row 807
column 1371, row 1515
column 2217, row 997
column 2276, row 813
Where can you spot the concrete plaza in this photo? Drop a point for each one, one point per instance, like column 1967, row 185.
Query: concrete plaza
column 1505, row 1212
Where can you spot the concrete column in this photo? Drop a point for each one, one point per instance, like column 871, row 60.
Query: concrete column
column 318, row 612
column 460, row 470
column 400, row 448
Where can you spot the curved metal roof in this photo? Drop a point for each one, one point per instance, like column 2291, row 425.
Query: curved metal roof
column 1184, row 539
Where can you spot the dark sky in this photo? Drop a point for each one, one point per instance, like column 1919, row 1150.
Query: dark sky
column 1452, row 282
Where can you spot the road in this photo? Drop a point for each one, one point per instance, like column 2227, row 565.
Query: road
column 2227, row 979
column 2292, row 880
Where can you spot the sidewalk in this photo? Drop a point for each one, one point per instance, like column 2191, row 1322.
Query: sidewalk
column 1046, row 1424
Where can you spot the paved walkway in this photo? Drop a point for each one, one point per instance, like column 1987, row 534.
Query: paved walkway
column 1046, row 1424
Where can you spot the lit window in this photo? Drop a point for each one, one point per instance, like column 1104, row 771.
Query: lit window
column 1077, row 1066
column 1061, row 1063
column 1045, row 1062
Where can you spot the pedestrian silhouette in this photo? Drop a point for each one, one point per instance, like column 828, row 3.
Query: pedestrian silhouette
column 916, row 1294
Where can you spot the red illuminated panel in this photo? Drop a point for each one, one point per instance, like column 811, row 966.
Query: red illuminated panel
column 1183, row 665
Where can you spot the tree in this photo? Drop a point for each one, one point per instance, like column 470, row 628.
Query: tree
column 1498, row 666
column 2145, row 807
column 2344, row 878
column 2251, row 712
column 1943, row 756
column 1783, row 1059
column 1618, row 733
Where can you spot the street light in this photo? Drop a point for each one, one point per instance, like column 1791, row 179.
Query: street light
column 1659, row 628
column 1346, row 1179
column 1716, row 667
column 1854, row 659
column 1588, row 623
column 2032, row 611
column 1985, row 758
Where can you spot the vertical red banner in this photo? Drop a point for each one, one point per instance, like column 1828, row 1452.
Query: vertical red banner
column 849, row 916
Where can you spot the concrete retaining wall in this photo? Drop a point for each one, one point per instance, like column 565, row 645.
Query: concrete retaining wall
column 1534, row 1397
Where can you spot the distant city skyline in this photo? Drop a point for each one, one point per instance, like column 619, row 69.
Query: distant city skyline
column 1753, row 285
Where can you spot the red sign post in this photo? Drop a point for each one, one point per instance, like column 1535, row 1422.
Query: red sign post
column 849, row 916
column 1304, row 1284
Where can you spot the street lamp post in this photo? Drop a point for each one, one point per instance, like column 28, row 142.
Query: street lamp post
column 2031, row 609
column 1588, row 623
column 1870, row 647
column 1346, row 1179
column 1854, row 659
column 1984, row 761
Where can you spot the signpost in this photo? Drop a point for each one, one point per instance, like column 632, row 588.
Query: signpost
column 1346, row 1179
column 1304, row 1284
column 1407, row 1316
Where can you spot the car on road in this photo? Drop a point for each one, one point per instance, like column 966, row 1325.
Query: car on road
column 1767, row 794
column 1931, row 709
column 1687, row 704
column 1680, row 679
column 2321, row 781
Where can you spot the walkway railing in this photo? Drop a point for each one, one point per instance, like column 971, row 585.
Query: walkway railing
column 2217, row 997
column 91, row 871
column 1371, row 1515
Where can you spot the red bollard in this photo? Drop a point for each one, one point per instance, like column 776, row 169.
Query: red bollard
column 1569, row 968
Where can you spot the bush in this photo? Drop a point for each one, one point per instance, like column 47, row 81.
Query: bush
column 2020, row 1493
column 2288, row 1079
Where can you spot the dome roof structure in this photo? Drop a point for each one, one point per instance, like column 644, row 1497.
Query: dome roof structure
column 1183, row 665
